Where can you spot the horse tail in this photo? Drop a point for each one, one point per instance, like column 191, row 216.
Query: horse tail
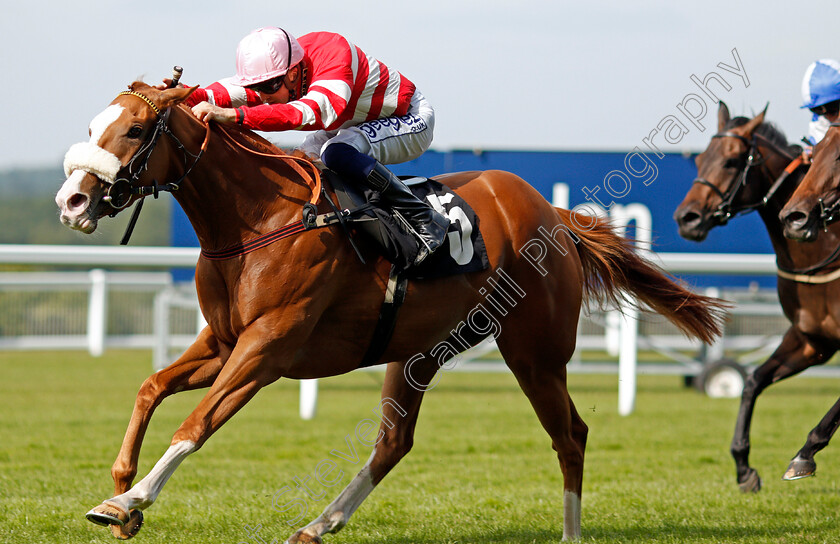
column 611, row 266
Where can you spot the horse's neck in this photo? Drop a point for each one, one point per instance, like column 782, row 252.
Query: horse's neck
column 782, row 246
column 232, row 196
column 769, row 213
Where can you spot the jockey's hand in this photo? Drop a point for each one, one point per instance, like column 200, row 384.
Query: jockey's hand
column 167, row 84
column 207, row 112
column 807, row 152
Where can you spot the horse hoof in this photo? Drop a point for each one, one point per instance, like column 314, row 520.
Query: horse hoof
column 800, row 468
column 302, row 538
column 131, row 527
column 107, row 514
column 752, row 484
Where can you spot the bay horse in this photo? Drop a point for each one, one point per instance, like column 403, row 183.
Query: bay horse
column 304, row 306
column 748, row 166
column 808, row 211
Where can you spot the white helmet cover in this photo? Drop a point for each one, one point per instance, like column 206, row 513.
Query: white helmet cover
column 821, row 83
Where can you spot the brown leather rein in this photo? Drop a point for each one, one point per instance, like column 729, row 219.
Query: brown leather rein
column 291, row 229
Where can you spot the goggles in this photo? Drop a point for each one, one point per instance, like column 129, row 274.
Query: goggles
column 832, row 108
column 270, row 86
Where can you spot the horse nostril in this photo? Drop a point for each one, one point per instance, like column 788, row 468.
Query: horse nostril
column 76, row 201
column 795, row 219
column 689, row 217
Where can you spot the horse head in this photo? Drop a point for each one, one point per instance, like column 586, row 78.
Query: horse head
column 724, row 185
column 815, row 202
column 118, row 165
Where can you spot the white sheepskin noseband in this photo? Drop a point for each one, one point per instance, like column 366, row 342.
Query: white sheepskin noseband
column 92, row 159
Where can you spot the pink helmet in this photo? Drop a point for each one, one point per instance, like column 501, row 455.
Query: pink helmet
column 264, row 54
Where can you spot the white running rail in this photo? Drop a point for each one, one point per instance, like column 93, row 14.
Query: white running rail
column 165, row 258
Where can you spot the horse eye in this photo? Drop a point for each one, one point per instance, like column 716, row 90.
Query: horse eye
column 732, row 163
column 135, row 131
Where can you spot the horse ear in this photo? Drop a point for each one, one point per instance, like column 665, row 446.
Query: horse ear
column 172, row 97
column 723, row 116
column 753, row 123
column 136, row 85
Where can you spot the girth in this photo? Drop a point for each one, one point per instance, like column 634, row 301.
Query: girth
column 397, row 280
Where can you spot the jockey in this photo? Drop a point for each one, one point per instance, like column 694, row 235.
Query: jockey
column 821, row 95
column 364, row 115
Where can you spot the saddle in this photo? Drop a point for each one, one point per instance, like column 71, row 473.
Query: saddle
column 463, row 250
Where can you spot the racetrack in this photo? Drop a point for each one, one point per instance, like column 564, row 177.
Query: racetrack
column 482, row 470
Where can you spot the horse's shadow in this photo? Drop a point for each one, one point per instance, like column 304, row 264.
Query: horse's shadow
column 670, row 532
column 699, row 532
column 487, row 536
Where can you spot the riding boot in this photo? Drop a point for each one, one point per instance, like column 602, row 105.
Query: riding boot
column 428, row 224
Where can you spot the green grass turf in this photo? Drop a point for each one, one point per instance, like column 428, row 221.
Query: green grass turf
column 482, row 469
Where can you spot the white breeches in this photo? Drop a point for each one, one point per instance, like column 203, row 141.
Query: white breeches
column 391, row 140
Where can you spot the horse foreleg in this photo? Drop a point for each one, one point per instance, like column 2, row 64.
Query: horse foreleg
column 803, row 464
column 195, row 369
column 402, row 394
column 792, row 356
column 241, row 376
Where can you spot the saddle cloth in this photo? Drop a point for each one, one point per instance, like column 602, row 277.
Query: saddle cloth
column 463, row 250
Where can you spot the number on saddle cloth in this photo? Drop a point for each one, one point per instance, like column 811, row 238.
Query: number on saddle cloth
column 462, row 252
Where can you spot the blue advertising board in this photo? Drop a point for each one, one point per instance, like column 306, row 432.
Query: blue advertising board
column 655, row 182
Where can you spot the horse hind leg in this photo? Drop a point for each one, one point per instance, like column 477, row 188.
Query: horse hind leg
column 541, row 373
column 548, row 394
column 402, row 394
column 803, row 464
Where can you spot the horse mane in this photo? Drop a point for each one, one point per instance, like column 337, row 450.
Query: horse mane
column 770, row 132
column 248, row 138
column 237, row 136
column 237, row 133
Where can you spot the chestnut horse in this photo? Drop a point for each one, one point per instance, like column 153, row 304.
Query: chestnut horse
column 305, row 306
column 750, row 166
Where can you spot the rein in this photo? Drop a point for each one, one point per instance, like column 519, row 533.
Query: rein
column 292, row 160
column 310, row 218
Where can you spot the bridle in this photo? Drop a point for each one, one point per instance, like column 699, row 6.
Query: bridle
column 123, row 188
column 726, row 210
column 829, row 214
column 126, row 184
